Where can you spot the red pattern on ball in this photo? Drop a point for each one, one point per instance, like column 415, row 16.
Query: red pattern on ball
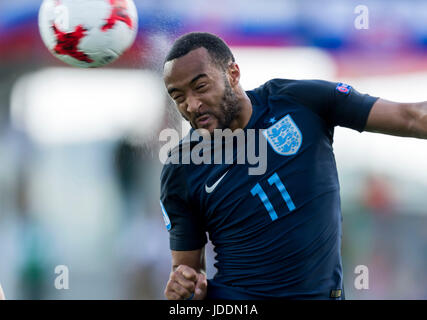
column 67, row 42
column 118, row 13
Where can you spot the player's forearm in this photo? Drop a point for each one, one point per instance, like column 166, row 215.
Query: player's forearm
column 398, row 119
column 194, row 259
column 418, row 114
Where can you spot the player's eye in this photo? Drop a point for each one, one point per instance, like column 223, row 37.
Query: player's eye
column 178, row 99
column 201, row 86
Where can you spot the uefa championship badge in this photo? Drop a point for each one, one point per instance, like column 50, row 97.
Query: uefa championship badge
column 284, row 136
column 343, row 88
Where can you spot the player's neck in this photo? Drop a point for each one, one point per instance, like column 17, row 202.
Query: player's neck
column 245, row 112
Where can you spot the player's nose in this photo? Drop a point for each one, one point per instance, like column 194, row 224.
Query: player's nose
column 193, row 105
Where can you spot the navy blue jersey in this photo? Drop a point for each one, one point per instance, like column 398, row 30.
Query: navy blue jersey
column 276, row 235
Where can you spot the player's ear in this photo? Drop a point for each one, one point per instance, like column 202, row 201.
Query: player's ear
column 233, row 74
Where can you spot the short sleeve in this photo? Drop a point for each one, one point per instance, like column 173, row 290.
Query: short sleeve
column 185, row 225
column 338, row 104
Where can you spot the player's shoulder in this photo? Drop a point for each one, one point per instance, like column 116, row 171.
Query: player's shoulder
column 292, row 87
column 174, row 164
column 176, row 170
column 173, row 175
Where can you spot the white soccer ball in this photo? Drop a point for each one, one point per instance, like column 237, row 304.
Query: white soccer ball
column 88, row 33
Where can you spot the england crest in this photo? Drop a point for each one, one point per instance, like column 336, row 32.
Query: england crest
column 284, row 136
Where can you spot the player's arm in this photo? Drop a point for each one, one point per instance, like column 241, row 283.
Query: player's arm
column 341, row 105
column 187, row 237
column 194, row 259
column 399, row 119
column 188, row 276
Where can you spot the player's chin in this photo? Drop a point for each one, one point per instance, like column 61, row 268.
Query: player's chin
column 208, row 128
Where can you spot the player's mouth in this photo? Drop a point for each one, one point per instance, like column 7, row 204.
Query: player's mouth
column 204, row 120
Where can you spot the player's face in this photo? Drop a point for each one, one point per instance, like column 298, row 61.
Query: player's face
column 201, row 90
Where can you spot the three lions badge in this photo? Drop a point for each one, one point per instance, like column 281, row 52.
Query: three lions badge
column 284, row 136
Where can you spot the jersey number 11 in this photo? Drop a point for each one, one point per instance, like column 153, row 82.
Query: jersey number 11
column 274, row 179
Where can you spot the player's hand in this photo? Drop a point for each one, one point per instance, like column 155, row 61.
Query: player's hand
column 185, row 283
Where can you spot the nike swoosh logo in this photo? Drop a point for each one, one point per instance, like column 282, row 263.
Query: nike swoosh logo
column 212, row 188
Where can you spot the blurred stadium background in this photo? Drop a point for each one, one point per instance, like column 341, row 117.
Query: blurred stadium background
column 79, row 165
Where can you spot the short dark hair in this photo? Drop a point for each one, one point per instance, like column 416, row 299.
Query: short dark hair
column 216, row 47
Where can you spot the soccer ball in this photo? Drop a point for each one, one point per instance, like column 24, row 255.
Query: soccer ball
column 88, row 33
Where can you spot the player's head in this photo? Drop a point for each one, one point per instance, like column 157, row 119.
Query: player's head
column 202, row 78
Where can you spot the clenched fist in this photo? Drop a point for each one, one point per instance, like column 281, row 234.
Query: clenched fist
column 186, row 283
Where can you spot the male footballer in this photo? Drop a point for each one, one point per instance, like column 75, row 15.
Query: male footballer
column 276, row 235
